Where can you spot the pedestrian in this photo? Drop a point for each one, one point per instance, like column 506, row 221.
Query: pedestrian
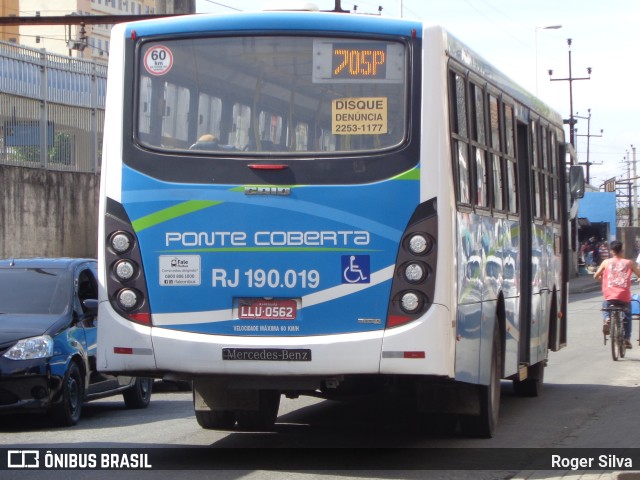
column 603, row 252
column 616, row 286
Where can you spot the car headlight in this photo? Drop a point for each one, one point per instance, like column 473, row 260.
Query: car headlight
column 30, row 348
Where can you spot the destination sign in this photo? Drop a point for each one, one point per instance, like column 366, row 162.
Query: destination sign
column 344, row 61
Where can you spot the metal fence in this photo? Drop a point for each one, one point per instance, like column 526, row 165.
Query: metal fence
column 51, row 110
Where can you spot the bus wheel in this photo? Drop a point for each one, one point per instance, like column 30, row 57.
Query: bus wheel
column 483, row 425
column 265, row 416
column 216, row 419
column 532, row 385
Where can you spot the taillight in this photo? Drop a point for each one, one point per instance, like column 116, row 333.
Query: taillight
column 420, row 244
column 411, row 302
column 414, row 282
column 415, row 272
column 125, row 270
column 120, row 242
column 126, row 284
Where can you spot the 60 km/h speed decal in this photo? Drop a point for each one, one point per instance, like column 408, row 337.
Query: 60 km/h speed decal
column 158, row 60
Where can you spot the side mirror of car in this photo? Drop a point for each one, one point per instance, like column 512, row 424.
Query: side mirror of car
column 90, row 306
column 576, row 181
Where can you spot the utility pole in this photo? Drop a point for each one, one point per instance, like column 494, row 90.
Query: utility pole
column 626, row 158
column 635, row 188
column 588, row 135
column 570, row 79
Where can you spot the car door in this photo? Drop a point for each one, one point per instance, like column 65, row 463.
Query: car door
column 87, row 289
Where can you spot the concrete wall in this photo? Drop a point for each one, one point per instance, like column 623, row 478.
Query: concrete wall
column 48, row 213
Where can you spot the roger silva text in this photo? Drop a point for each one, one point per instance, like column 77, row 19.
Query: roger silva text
column 607, row 462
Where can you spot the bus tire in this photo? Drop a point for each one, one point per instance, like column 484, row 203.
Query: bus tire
column 265, row 416
column 483, row 425
column 216, row 419
column 532, row 385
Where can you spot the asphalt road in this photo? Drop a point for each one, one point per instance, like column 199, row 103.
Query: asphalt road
column 589, row 401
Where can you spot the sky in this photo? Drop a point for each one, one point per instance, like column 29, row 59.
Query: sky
column 511, row 35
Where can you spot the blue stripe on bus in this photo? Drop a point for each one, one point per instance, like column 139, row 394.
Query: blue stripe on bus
column 277, row 21
column 151, row 197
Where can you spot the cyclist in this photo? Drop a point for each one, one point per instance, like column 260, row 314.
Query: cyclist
column 616, row 286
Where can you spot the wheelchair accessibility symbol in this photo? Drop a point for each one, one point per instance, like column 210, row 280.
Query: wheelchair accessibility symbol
column 355, row 269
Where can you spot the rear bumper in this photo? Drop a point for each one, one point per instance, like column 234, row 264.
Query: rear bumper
column 128, row 347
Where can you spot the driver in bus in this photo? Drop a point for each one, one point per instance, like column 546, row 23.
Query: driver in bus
column 206, row 142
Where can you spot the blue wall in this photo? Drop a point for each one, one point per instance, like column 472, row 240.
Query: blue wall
column 599, row 207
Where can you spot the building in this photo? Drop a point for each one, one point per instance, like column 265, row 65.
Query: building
column 9, row 33
column 90, row 42
column 597, row 216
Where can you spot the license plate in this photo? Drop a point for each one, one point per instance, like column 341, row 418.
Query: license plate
column 262, row 309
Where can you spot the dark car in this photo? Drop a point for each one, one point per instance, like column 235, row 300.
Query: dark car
column 48, row 330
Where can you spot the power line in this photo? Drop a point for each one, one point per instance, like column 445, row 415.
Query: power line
column 80, row 19
column 223, row 5
column 468, row 2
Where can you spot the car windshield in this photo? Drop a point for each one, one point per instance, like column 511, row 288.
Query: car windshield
column 266, row 95
column 35, row 290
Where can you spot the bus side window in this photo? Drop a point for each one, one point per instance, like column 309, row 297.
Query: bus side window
column 545, row 171
column 480, row 147
column 300, row 138
column 555, row 179
column 496, row 156
column 460, row 136
column 536, row 173
column 209, row 115
column 510, row 151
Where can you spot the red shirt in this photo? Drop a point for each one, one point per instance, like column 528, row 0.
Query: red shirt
column 616, row 280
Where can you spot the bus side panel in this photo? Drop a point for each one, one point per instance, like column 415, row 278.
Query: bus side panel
column 546, row 278
column 487, row 259
column 510, row 289
column 124, row 346
column 437, row 182
column 469, row 317
column 432, row 334
column 112, row 328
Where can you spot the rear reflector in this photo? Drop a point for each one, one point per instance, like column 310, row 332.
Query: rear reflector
column 123, row 351
column 416, row 354
column 266, row 166
column 144, row 318
column 396, row 320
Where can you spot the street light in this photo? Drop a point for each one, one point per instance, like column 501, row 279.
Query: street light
column 548, row 27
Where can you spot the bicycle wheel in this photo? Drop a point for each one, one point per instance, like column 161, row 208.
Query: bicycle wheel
column 614, row 334
column 623, row 347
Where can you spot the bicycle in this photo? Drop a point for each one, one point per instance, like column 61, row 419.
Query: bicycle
column 616, row 331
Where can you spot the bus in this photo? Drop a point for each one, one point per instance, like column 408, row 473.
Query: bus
column 323, row 203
